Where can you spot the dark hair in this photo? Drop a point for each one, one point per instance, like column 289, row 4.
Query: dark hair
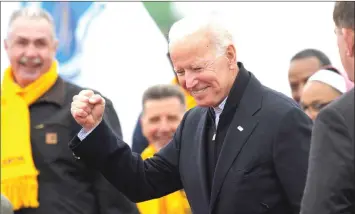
column 331, row 68
column 343, row 14
column 162, row 91
column 323, row 59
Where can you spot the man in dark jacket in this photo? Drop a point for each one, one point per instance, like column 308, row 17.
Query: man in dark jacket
column 330, row 187
column 243, row 150
column 38, row 173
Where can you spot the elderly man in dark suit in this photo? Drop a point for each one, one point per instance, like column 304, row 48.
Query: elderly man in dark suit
column 243, row 150
column 330, row 185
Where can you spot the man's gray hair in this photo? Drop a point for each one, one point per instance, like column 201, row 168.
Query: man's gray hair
column 6, row 206
column 162, row 91
column 32, row 13
column 212, row 22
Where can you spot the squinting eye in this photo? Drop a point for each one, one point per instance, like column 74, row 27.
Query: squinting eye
column 304, row 107
column 40, row 44
column 180, row 73
column 197, row 69
column 21, row 42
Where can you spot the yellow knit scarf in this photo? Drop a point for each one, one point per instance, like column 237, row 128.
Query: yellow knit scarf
column 18, row 172
column 174, row 203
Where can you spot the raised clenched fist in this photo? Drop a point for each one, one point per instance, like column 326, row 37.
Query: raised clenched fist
column 87, row 109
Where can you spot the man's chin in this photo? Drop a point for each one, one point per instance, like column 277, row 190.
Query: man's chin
column 162, row 143
column 24, row 76
column 30, row 71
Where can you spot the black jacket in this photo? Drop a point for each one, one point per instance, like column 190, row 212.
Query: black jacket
column 331, row 176
column 67, row 186
column 261, row 167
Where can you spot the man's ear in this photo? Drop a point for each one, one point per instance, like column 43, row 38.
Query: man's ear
column 348, row 35
column 141, row 118
column 55, row 45
column 231, row 54
column 143, row 121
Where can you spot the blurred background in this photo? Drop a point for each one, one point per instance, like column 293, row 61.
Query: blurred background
column 120, row 48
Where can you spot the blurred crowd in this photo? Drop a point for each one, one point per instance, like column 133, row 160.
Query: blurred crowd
column 39, row 174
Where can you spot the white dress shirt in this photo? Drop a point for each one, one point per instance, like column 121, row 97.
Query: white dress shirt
column 218, row 111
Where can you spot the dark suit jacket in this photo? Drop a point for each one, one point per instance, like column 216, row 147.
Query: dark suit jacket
column 261, row 169
column 67, row 186
column 139, row 142
column 330, row 185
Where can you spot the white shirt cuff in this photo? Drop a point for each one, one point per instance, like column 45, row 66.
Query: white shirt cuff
column 83, row 134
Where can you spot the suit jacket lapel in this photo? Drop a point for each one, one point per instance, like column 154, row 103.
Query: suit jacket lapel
column 241, row 127
column 201, row 154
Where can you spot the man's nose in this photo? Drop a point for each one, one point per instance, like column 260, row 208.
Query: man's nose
column 297, row 97
column 310, row 114
column 31, row 51
column 190, row 80
column 164, row 126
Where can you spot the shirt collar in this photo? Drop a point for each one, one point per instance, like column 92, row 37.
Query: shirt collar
column 218, row 110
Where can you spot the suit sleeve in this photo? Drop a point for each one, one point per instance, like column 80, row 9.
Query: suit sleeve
column 110, row 200
column 139, row 180
column 110, row 116
column 330, row 182
column 291, row 150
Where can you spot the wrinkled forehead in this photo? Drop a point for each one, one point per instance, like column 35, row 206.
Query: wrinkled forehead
column 192, row 50
column 31, row 29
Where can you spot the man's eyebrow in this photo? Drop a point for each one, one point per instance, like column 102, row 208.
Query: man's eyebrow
column 177, row 69
column 19, row 37
column 199, row 63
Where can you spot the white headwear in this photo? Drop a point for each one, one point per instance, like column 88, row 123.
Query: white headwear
column 330, row 78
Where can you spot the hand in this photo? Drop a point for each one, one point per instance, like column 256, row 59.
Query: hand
column 87, row 109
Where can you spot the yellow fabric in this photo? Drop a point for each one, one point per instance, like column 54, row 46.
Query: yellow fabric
column 174, row 203
column 190, row 101
column 18, row 172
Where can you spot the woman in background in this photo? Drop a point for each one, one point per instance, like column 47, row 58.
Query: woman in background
column 322, row 88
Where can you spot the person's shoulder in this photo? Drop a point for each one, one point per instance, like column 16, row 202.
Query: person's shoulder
column 74, row 89
column 278, row 103
column 344, row 104
column 192, row 116
column 342, row 107
column 195, row 112
column 71, row 88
